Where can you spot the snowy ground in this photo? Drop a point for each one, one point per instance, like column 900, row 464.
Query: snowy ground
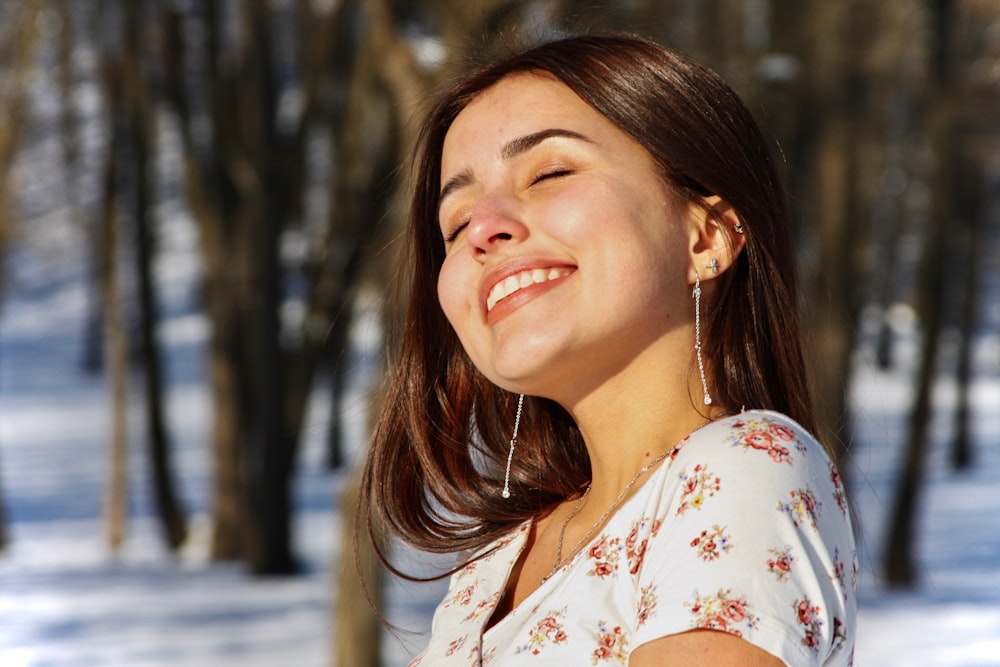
column 64, row 601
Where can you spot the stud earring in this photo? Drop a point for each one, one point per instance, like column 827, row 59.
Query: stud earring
column 738, row 228
column 696, row 294
column 513, row 442
column 713, row 265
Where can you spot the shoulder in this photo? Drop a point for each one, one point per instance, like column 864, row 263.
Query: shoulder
column 759, row 445
column 757, row 460
column 755, row 539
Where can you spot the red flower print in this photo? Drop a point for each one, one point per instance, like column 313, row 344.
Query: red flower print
column 603, row 569
column 805, row 612
column 766, row 436
column 711, row 544
column 780, row 563
column 781, row 431
column 455, row 645
column 611, row 644
column 605, row 554
column 802, row 506
column 735, row 610
column 778, row 453
column 636, row 556
column 759, row 440
column 724, row 611
column 811, row 617
column 599, row 550
column 548, row 630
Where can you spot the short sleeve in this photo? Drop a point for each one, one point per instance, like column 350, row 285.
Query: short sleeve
column 754, row 539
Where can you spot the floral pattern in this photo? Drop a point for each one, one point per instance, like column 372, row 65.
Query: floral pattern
column 780, row 562
column 548, row 630
column 724, row 611
column 697, row 486
column 712, row 543
column 612, row 644
column 697, row 545
column 803, row 506
column 647, row 604
column 768, row 436
column 810, row 617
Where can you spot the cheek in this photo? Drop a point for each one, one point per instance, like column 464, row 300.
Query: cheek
column 448, row 293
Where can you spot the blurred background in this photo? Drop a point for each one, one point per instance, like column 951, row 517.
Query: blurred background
column 199, row 205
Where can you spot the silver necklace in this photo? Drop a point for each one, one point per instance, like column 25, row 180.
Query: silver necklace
column 560, row 561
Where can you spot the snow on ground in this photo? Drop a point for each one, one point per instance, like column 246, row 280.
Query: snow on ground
column 65, row 601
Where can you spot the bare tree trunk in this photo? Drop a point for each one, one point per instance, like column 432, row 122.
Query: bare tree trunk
column 358, row 631
column 115, row 338
column 962, row 449
column 138, row 118
column 18, row 41
column 898, row 561
column 268, row 448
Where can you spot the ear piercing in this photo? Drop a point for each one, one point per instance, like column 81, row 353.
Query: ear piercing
column 713, row 265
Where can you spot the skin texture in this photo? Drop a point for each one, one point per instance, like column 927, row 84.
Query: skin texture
column 536, row 181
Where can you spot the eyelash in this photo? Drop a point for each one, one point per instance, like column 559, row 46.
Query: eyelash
column 555, row 173
column 453, row 234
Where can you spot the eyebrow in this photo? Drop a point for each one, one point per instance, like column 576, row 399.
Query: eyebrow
column 511, row 149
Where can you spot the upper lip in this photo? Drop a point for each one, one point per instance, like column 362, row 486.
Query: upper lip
column 512, row 267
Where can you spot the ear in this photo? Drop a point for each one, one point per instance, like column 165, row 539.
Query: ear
column 714, row 242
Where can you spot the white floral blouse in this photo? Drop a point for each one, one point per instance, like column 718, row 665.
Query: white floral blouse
column 743, row 529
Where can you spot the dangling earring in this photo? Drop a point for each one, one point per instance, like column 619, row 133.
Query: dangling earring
column 513, row 441
column 697, row 336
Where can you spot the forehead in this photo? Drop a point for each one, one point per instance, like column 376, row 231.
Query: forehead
column 517, row 104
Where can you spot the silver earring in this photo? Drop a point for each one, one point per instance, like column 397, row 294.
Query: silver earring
column 513, row 441
column 738, row 228
column 697, row 336
column 713, row 265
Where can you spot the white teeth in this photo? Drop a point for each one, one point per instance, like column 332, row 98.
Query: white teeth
column 511, row 284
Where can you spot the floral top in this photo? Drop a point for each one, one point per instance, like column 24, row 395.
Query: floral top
column 743, row 529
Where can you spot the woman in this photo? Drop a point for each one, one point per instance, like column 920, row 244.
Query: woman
column 600, row 397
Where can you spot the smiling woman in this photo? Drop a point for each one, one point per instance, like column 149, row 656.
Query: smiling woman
column 600, row 398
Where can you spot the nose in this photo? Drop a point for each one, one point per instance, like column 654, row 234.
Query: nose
column 494, row 225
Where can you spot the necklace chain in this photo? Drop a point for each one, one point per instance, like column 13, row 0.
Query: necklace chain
column 560, row 561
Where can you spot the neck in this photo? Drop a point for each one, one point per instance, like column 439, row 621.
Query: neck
column 634, row 417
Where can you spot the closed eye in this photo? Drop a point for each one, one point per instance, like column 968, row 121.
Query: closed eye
column 548, row 175
column 454, row 233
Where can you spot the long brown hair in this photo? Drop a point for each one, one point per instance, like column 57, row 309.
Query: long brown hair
column 434, row 471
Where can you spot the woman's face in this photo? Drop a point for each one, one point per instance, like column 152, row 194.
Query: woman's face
column 566, row 253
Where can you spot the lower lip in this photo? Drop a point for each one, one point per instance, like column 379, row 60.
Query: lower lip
column 506, row 306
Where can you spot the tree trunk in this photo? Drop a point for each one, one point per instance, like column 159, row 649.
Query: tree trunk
column 357, row 629
column 962, row 449
column 898, row 561
column 138, row 117
column 114, row 337
column 269, row 451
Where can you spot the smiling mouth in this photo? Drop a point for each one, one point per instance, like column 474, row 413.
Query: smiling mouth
column 519, row 281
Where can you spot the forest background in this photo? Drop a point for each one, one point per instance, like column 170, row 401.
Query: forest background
column 220, row 183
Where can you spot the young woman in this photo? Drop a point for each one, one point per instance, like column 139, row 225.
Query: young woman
column 600, row 400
